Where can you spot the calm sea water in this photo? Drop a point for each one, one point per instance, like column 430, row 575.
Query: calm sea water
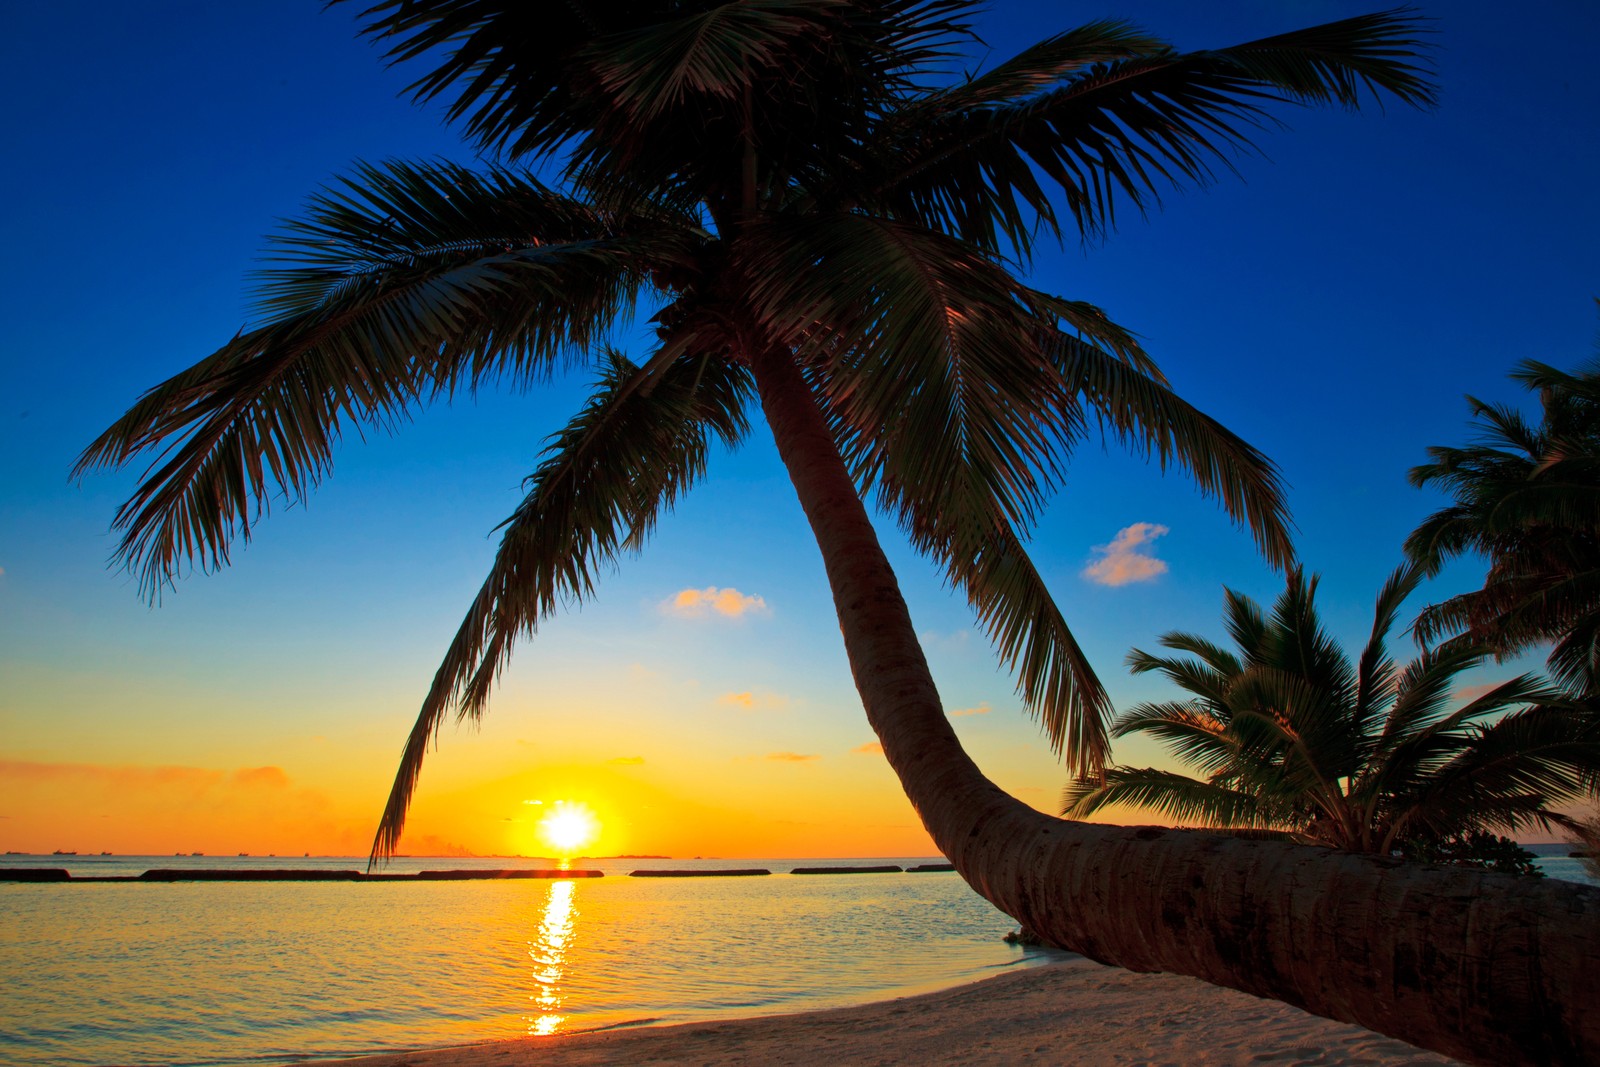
column 242, row 973
column 233, row 973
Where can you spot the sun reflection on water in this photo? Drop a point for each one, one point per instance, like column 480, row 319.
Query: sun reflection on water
column 549, row 954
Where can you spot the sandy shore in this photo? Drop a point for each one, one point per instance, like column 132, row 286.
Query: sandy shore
column 1075, row 1012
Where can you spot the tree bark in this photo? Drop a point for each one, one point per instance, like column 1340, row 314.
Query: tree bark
column 1484, row 967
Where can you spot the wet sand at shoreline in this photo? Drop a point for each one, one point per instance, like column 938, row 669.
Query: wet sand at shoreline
column 1077, row 1012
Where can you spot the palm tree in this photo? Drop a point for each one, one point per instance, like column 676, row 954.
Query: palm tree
column 812, row 225
column 1527, row 497
column 1367, row 756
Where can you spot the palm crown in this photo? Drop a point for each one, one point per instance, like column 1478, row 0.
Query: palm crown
column 1526, row 497
column 1291, row 735
column 793, row 184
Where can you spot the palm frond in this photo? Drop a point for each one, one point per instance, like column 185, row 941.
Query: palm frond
column 1195, row 734
column 1057, row 684
column 1375, row 670
column 1145, row 415
column 1176, row 796
column 1526, row 496
column 1512, row 773
column 1045, row 64
column 715, row 52
column 410, row 281
column 926, row 356
column 1126, row 129
column 1206, row 680
column 1421, row 737
column 603, row 482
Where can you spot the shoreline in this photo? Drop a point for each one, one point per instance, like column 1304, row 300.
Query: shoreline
column 1076, row 1011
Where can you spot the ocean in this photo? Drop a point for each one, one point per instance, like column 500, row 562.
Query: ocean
column 230, row 973
column 227, row 973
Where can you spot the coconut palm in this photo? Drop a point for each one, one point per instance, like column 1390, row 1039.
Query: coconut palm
column 1290, row 734
column 1527, row 497
column 818, row 223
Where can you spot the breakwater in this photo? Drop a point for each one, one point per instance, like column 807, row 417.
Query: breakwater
column 321, row 874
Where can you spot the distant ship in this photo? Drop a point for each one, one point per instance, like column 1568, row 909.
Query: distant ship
column 64, row 852
column 244, row 853
column 105, row 853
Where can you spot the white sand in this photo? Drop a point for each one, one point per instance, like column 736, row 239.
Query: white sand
column 1075, row 1012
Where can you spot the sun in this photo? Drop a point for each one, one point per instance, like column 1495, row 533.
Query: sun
column 568, row 828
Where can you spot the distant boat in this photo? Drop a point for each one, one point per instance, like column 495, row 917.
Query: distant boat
column 244, row 853
column 14, row 852
column 105, row 853
column 197, row 853
column 63, row 852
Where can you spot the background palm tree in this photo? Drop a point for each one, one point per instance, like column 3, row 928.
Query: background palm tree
column 1367, row 756
column 1527, row 498
column 814, row 221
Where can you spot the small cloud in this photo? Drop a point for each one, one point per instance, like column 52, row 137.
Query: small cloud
column 981, row 709
column 700, row 603
column 1123, row 560
column 627, row 761
column 2, row 572
column 791, row 757
column 871, row 748
column 270, row 777
column 749, row 700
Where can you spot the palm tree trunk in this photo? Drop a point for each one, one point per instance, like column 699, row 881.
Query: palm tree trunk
column 1479, row 966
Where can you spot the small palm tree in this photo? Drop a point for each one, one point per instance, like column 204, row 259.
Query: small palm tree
column 1368, row 756
column 1527, row 498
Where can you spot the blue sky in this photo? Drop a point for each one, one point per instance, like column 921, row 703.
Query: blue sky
column 1331, row 304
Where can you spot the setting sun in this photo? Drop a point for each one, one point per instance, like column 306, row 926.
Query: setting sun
column 569, row 827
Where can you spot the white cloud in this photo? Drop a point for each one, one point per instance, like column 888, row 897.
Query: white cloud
column 981, row 709
column 791, row 757
column 699, row 603
column 1127, row 559
column 871, row 748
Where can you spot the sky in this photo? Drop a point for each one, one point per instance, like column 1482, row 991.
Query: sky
column 1332, row 303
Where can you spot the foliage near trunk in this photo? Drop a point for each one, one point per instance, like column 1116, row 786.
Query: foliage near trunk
column 1367, row 755
column 1527, row 499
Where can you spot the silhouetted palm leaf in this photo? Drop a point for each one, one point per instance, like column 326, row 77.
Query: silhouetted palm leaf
column 1361, row 757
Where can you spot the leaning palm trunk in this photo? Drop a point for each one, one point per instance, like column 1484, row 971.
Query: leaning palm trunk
column 1475, row 965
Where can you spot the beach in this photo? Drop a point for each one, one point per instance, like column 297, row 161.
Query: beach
column 1073, row 1012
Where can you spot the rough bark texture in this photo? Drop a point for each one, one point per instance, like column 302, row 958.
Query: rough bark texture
column 1484, row 967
